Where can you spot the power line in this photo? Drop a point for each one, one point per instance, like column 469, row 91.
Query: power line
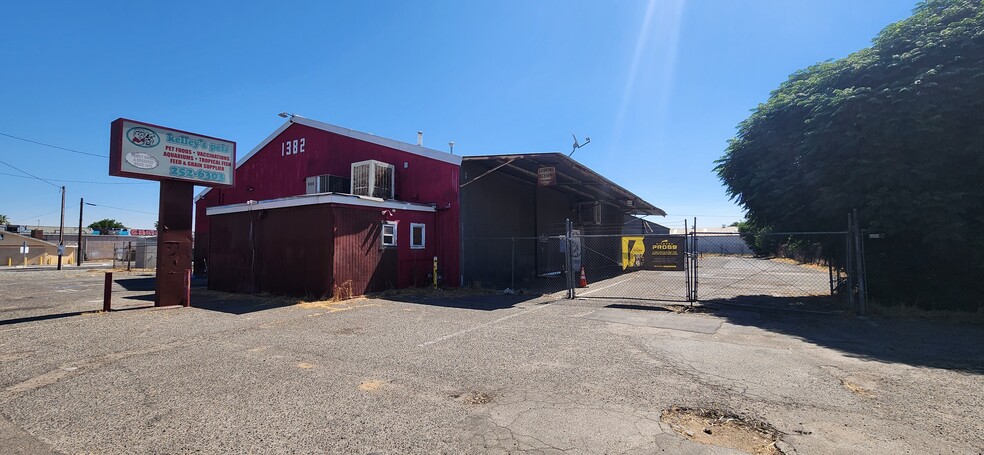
column 30, row 174
column 119, row 208
column 52, row 146
column 81, row 181
column 36, row 216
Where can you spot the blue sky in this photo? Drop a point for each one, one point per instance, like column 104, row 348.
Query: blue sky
column 659, row 86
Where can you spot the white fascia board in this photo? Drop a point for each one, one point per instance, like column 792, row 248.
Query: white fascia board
column 322, row 198
column 393, row 144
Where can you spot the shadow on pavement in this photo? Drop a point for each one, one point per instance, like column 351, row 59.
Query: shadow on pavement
column 812, row 303
column 623, row 306
column 136, row 284
column 921, row 343
column 482, row 302
column 237, row 304
column 47, row 317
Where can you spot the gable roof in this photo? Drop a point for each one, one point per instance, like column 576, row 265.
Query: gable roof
column 358, row 135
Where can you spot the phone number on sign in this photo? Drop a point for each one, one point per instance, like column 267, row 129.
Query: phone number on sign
column 199, row 174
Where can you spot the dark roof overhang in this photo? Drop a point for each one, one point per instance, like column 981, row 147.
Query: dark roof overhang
column 572, row 177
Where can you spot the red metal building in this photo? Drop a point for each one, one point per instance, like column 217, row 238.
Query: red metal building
column 317, row 206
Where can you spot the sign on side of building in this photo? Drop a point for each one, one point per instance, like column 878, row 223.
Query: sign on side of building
column 145, row 151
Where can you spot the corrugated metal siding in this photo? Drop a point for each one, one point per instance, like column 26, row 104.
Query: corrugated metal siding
column 292, row 255
column 229, row 253
column 269, row 175
column 294, row 249
column 360, row 261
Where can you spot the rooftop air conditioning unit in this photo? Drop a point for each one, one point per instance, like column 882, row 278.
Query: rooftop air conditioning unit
column 373, row 178
column 327, row 184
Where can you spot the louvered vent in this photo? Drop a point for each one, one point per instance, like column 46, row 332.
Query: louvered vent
column 373, row 178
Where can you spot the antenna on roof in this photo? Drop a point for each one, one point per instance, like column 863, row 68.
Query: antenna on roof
column 587, row 140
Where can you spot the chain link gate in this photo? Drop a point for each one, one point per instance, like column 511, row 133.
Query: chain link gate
column 630, row 267
column 714, row 268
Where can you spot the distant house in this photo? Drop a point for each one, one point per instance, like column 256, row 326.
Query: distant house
column 723, row 240
column 39, row 252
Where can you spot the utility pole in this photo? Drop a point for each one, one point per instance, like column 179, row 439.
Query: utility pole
column 78, row 249
column 61, row 231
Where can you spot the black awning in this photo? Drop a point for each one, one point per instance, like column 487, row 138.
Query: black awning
column 569, row 177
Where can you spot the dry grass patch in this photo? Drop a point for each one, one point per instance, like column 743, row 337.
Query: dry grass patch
column 723, row 429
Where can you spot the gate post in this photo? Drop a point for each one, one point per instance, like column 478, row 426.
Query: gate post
column 849, row 262
column 686, row 258
column 695, row 264
column 569, row 259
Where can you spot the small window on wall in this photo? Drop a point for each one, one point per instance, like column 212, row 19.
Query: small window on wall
column 417, row 236
column 389, row 234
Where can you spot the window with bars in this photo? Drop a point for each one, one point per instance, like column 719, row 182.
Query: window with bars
column 373, row 178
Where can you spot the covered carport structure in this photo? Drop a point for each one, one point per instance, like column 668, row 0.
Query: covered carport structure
column 514, row 209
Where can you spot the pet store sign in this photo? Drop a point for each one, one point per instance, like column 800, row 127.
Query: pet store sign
column 142, row 150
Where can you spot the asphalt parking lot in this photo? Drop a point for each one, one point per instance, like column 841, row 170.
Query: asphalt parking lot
column 467, row 374
column 729, row 278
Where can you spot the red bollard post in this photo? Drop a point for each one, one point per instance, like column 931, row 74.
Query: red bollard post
column 108, row 291
column 187, row 299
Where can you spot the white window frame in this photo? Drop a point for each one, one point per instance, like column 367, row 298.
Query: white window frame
column 383, row 235
column 423, row 236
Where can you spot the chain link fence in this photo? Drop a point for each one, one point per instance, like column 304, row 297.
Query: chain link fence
column 792, row 270
column 801, row 270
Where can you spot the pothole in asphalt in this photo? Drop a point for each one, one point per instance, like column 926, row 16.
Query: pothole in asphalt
column 473, row 397
column 723, row 429
column 682, row 309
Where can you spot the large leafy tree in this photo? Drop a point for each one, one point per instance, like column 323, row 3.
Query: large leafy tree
column 3, row 219
column 896, row 131
column 105, row 225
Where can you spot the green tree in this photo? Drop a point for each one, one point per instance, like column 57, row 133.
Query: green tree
column 104, row 225
column 3, row 219
column 894, row 131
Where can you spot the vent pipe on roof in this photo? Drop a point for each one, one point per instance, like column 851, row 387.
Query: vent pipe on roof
column 420, row 138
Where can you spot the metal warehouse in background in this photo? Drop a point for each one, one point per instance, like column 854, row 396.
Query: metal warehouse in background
column 514, row 208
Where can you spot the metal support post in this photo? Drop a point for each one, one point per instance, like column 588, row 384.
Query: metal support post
column 570, row 260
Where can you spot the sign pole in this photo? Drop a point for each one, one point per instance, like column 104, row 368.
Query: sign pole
column 179, row 160
column 174, row 243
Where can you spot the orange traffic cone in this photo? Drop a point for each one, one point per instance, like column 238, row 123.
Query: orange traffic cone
column 583, row 282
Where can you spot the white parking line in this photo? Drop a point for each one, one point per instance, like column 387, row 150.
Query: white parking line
column 472, row 329
column 603, row 287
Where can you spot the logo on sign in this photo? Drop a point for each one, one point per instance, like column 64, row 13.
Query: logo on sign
column 141, row 160
column 143, row 137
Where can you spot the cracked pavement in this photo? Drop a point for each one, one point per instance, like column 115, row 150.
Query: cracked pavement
column 429, row 375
